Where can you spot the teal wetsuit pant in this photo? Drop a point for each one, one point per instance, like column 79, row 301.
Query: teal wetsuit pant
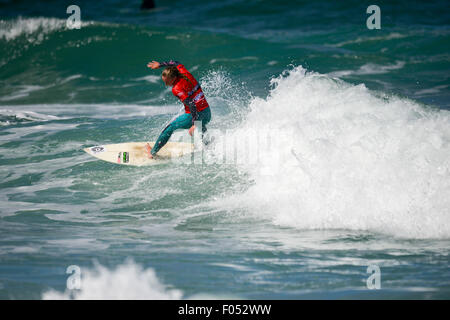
column 183, row 121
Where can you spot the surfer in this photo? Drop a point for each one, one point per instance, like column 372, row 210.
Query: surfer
column 187, row 89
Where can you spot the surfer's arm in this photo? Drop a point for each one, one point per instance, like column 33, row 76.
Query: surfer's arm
column 169, row 63
column 194, row 114
column 192, row 108
column 156, row 64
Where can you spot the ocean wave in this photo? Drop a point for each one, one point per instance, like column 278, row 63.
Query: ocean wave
column 23, row 91
column 40, row 112
column 340, row 156
column 8, row 117
column 215, row 60
column 33, row 28
column 391, row 36
column 12, row 29
column 433, row 90
column 369, row 68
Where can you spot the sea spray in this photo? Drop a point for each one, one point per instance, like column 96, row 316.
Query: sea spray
column 348, row 158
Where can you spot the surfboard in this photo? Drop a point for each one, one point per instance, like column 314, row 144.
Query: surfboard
column 135, row 154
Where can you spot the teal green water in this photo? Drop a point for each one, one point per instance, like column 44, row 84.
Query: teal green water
column 360, row 126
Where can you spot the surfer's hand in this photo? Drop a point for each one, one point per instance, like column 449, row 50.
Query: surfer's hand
column 153, row 65
column 191, row 130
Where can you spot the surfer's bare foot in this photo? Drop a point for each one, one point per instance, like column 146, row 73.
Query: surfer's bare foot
column 149, row 149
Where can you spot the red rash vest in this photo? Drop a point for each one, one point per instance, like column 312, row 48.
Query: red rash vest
column 189, row 92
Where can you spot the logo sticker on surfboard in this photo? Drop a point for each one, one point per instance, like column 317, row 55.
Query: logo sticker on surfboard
column 98, row 149
column 126, row 157
column 123, row 157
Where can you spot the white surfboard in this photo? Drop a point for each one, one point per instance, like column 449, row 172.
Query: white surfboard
column 135, row 154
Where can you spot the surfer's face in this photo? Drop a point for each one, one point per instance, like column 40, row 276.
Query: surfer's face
column 167, row 80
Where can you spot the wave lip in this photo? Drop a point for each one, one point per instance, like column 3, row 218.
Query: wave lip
column 13, row 29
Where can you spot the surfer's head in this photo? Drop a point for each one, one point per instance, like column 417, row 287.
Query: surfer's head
column 170, row 74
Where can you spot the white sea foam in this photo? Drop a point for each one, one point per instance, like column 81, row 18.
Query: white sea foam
column 8, row 117
column 98, row 110
column 11, row 29
column 24, row 90
column 129, row 281
column 34, row 29
column 347, row 158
